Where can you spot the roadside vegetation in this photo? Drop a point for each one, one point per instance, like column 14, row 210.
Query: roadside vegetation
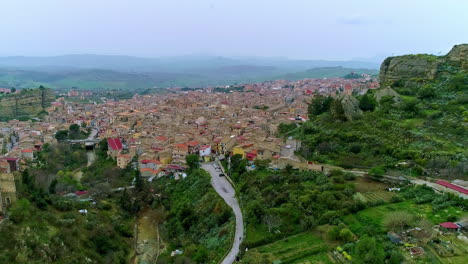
column 195, row 219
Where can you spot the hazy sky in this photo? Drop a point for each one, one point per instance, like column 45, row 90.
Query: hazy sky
column 304, row 29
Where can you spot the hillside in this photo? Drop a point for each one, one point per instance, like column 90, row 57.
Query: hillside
column 101, row 79
column 326, row 72
column 92, row 72
column 415, row 124
column 25, row 104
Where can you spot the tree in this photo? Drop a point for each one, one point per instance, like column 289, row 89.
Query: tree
column 20, row 211
column 192, row 161
column 398, row 220
column 367, row 103
column 74, row 131
column 139, row 184
column 319, row 105
column 369, row 251
column 125, row 202
column 346, row 235
column 271, row 221
column 13, row 90
column 426, row 91
column 61, row 135
column 52, row 186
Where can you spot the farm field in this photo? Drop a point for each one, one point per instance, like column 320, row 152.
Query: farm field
column 374, row 216
column 301, row 248
column 370, row 197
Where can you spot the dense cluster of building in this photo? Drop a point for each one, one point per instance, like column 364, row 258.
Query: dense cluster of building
column 159, row 131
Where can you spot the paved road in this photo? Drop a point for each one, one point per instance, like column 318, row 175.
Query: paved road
column 224, row 188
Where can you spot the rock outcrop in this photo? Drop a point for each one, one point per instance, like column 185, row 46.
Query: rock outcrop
column 458, row 57
column 415, row 70
column 25, row 104
column 387, row 91
column 350, row 107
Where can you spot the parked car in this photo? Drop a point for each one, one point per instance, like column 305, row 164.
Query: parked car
column 221, row 175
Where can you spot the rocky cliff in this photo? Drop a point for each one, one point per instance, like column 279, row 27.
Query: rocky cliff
column 25, row 104
column 415, row 70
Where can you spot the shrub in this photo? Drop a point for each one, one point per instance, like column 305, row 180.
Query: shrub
column 398, row 220
column 377, row 171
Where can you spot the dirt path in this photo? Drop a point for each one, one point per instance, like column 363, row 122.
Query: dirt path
column 148, row 240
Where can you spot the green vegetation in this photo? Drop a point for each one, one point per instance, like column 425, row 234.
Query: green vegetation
column 46, row 225
column 229, row 89
column 327, row 72
column 196, row 219
column 261, row 107
column 297, row 217
column 352, row 75
column 424, row 128
column 73, row 132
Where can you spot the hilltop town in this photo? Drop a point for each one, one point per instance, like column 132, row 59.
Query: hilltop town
column 165, row 128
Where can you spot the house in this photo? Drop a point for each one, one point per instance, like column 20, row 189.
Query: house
column 147, row 172
column 7, row 191
column 13, row 162
column 149, row 164
column 180, row 152
column 115, row 147
column 242, row 149
column 27, row 154
column 205, row 152
column 193, row 147
column 4, row 167
column 449, row 227
column 174, row 168
column 123, row 160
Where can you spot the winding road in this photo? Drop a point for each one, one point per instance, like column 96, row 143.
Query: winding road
column 224, row 188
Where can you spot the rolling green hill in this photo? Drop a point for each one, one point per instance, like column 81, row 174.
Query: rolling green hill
column 91, row 72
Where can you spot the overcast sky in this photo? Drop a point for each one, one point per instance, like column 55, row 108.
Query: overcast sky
column 302, row 29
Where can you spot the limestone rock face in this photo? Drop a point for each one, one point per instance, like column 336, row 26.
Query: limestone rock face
column 27, row 103
column 415, row 70
column 409, row 67
column 350, row 107
column 387, row 91
column 458, row 56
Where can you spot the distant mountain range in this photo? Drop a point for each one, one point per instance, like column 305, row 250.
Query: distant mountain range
column 125, row 72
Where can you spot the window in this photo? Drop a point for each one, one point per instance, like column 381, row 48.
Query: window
column 7, row 200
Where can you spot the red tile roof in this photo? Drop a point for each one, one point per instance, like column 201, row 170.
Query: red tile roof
column 161, row 138
column 193, row 143
column 79, row 193
column 145, row 161
column 449, row 225
column 115, row 143
column 181, row 146
column 452, row 186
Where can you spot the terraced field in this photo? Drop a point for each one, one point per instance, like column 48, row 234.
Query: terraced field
column 301, row 248
column 370, row 197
